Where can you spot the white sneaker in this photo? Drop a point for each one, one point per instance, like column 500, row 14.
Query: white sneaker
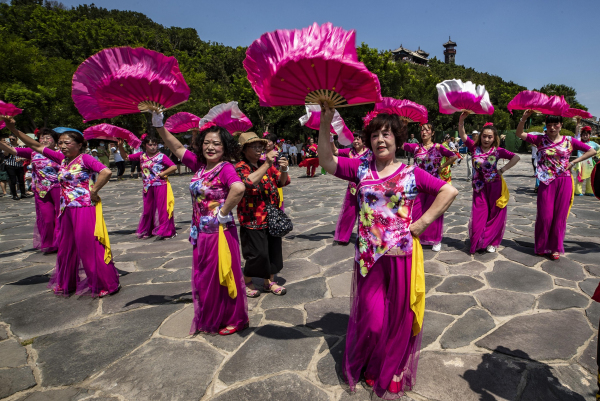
column 437, row 247
column 491, row 249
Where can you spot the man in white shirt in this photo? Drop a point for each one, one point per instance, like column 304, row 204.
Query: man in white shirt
column 293, row 151
column 118, row 161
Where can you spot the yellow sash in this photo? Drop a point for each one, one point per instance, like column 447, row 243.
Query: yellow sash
column 502, row 201
column 226, row 278
column 280, row 190
column 101, row 232
column 572, row 197
column 417, row 286
column 170, row 199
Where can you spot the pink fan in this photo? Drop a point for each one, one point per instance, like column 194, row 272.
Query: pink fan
column 228, row 116
column 318, row 63
column 576, row 113
column 538, row 102
column 123, row 80
column 410, row 111
column 312, row 119
column 454, row 96
column 182, row 122
column 111, row 133
column 9, row 110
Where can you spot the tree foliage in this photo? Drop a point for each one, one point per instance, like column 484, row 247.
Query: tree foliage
column 44, row 42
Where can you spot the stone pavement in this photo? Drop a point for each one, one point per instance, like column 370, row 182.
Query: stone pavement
column 503, row 326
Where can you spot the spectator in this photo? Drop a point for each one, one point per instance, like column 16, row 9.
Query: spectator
column 411, row 140
column 293, row 155
column 14, row 169
column 103, row 154
column 120, row 163
column 95, row 154
column 3, row 174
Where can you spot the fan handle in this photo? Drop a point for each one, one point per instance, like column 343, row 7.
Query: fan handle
column 149, row 106
column 332, row 98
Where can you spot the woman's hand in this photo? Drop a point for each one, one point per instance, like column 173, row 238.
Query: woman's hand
column 271, row 157
column 282, row 162
column 527, row 114
column 94, row 196
column 417, row 228
column 327, row 113
column 157, row 119
column 463, row 116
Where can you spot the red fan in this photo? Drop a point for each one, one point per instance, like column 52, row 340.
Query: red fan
column 111, row 133
column 538, row 102
column 228, row 116
column 8, row 110
column 182, row 122
column 576, row 113
column 308, row 66
column 124, row 80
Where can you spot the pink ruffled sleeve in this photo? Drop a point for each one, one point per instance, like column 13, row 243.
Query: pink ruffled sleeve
column 135, row 157
column 347, row 169
column 92, row 164
column 577, row 145
column 344, row 152
column 410, row 147
column 53, row 155
column 505, row 154
column 427, row 183
column 470, row 144
column 190, row 160
column 534, row 139
column 166, row 161
column 228, row 175
column 446, row 152
column 24, row 152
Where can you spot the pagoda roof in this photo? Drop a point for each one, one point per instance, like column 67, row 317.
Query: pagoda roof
column 419, row 53
column 449, row 42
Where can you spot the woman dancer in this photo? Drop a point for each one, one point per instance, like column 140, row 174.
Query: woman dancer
column 555, row 193
column 488, row 215
column 311, row 161
column 446, row 172
column 583, row 182
column 262, row 251
column 349, row 211
column 219, row 305
column 46, row 189
column 429, row 156
column 157, row 217
column 384, row 336
column 84, row 261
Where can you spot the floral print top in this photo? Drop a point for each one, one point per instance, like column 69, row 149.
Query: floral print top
column 485, row 165
column 430, row 159
column 385, row 206
column 151, row 168
column 76, row 178
column 553, row 158
column 352, row 154
column 209, row 190
column 43, row 170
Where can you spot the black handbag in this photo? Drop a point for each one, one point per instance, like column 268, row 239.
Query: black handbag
column 278, row 223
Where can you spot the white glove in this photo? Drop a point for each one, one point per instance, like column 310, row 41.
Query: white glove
column 157, row 119
column 224, row 219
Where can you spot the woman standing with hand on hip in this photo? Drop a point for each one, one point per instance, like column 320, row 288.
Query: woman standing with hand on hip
column 157, row 216
column 428, row 157
column 384, row 331
column 556, row 190
column 84, row 261
column 217, row 285
column 46, row 189
column 490, row 195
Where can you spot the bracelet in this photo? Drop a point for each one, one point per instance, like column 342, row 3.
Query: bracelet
column 287, row 168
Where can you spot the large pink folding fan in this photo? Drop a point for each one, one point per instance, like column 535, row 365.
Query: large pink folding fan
column 310, row 65
column 123, row 80
column 312, row 119
column 8, row 109
column 538, row 102
column 454, row 96
column 111, row 133
column 228, row 116
column 576, row 113
column 182, row 122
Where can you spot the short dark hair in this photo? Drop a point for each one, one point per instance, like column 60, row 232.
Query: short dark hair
column 47, row 131
column 231, row 147
column 553, row 119
column 395, row 124
column 77, row 137
column 271, row 137
column 148, row 139
column 358, row 134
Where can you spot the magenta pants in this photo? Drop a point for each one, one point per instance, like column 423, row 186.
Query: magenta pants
column 347, row 218
column 553, row 201
column 155, row 218
column 488, row 221
column 433, row 234
column 380, row 342
column 80, row 265
column 46, row 230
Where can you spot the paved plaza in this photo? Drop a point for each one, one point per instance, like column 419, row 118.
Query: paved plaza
column 504, row 326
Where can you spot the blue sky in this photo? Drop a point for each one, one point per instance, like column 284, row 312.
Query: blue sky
column 530, row 42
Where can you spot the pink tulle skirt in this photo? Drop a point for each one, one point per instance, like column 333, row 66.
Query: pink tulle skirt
column 553, row 202
column 155, row 217
column 487, row 223
column 80, row 265
column 46, row 229
column 213, row 307
column 433, row 234
column 379, row 343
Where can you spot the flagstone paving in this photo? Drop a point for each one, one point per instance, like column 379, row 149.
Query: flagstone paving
column 504, row 326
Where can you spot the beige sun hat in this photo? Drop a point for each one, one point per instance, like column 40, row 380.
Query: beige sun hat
column 250, row 137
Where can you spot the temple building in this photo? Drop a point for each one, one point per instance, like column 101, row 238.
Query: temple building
column 417, row 57
column 450, row 52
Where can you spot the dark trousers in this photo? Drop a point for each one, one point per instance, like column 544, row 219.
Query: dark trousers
column 262, row 253
column 120, row 168
column 135, row 165
column 16, row 174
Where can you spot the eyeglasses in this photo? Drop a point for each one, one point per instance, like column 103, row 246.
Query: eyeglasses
column 256, row 147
